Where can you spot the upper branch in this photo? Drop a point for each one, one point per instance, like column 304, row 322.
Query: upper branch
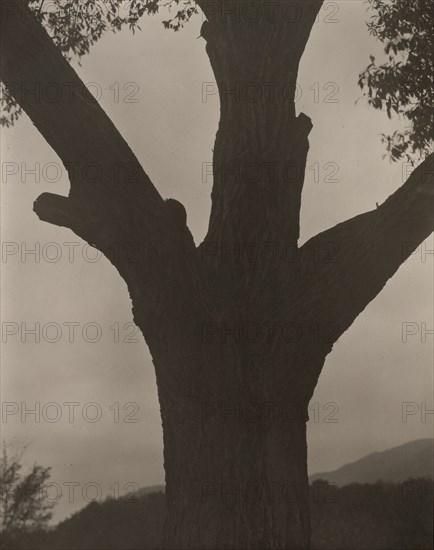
column 103, row 171
column 112, row 203
column 261, row 145
column 345, row 267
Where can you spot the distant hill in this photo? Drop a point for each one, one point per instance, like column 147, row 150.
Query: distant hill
column 354, row 517
column 414, row 459
column 360, row 514
column 143, row 491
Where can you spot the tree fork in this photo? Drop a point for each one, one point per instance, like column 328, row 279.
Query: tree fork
column 174, row 292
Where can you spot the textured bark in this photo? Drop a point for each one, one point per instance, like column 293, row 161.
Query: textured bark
column 261, row 146
column 241, row 479
column 238, row 334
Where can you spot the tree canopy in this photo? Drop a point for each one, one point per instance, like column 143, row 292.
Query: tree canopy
column 404, row 84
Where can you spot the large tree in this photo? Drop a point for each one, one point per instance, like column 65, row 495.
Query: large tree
column 240, row 326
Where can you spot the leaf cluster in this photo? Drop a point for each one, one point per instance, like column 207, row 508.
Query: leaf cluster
column 403, row 85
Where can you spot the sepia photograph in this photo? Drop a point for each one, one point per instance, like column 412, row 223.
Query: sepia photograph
column 217, row 275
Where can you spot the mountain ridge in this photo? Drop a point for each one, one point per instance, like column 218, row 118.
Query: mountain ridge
column 396, row 464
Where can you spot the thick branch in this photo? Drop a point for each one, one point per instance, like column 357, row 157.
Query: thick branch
column 256, row 10
column 103, row 171
column 112, row 203
column 261, row 145
column 345, row 267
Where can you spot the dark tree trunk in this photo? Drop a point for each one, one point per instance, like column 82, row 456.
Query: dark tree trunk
column 237, row 473
column 239, row 479
column 239, row 327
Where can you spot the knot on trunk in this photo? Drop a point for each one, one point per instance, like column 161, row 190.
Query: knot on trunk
column 176, row 212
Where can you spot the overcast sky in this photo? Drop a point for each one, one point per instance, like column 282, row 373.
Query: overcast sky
column 368, row 376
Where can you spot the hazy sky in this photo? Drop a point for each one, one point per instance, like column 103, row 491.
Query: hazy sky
column 371, row 371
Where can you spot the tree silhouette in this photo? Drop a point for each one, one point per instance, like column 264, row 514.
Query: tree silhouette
column 240, row 326
column 24, row 505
